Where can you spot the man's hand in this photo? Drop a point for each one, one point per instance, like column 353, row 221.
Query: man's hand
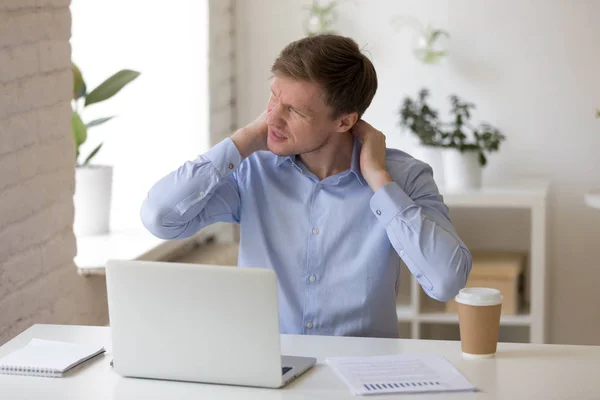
column 372, row 155
column 252, row 137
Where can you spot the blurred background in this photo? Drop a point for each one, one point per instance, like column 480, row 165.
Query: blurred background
column 179, row 78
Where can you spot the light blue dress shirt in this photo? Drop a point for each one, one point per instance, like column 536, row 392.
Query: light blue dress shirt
column 335, row 245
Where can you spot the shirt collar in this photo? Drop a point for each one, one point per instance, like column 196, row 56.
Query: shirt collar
column 281, row 159
column 354, row 165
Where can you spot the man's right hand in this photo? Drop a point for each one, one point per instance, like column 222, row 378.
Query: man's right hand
column 252, row 137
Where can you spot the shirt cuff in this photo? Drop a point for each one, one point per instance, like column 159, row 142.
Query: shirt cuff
column 225, row 157
column 389, row 201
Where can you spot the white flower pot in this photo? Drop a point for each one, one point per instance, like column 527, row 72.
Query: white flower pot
column 432, row 156
column 461, row 170
column 92, row 200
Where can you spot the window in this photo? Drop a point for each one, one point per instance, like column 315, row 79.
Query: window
column 162, row 117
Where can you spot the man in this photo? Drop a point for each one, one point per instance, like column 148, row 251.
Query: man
column 320, row 199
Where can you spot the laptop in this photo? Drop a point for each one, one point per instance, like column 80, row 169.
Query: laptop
column 197, row 323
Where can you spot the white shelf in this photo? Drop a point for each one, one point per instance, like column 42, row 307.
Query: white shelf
column 524, row 194
column 408, row 314
column 94, row 251
column 449, row 318
column 135, row 244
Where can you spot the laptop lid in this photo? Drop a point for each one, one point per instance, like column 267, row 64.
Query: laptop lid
column 194, row 322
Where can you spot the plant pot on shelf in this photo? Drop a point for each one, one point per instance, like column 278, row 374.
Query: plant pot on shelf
column 92, row 199
column 462, row 170
column 433, row 156
column 93, row 183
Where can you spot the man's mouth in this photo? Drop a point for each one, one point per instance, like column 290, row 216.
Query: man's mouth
column 277, row 136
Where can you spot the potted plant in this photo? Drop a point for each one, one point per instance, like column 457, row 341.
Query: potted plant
column 428, row 49
column 418, row 117
column 466, row 147
column 93, row 183
column 457, row 151
column 321, row 18
column 427, row 46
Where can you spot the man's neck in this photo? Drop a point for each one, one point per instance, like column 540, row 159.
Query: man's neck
column 334, row 157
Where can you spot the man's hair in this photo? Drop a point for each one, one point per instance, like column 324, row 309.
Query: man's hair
column 336, row 63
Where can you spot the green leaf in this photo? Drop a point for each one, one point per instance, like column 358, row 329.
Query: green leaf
column 79, row 129
column 111, row 86
column 79, row 132
column 92, row 154
column 432, row 57
column 435, row 34
column 79, row 88
column 98, row 121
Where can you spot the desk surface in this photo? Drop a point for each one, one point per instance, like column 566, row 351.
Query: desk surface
column 519, row 371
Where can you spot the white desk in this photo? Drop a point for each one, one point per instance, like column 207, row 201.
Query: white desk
column 520, row 371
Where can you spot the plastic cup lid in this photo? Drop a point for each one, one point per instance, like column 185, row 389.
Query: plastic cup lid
column 479, row 296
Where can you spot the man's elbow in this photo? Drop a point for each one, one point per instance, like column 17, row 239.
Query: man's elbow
column 153, row 218
column 455, row 278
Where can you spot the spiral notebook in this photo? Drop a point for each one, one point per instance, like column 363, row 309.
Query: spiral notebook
column 47, row 358
column 403, row 373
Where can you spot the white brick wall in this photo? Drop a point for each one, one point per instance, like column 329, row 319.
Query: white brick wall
column 221, row 69
column 38, row 280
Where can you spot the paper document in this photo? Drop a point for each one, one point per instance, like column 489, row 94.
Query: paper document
column 399, row 374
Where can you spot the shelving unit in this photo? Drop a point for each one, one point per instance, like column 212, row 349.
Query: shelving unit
column 417, row 310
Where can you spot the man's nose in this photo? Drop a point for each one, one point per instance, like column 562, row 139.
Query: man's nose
column 274, row 115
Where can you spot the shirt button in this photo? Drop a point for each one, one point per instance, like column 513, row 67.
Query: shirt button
column 378, row 212
column 309, row 325
column 315, row 231
column 401, row 253
column 230, row 166
column 312, row 278
column 201, row 194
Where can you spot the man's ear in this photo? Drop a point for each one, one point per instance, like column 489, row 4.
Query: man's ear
column 346, row 122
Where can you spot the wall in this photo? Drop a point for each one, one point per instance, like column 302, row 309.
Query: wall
column 221, row 69
column 38, row 280
column 531, row 69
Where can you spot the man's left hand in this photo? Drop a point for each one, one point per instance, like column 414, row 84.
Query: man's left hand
column 372, row 155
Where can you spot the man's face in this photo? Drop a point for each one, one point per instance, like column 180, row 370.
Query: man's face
column 299, row 121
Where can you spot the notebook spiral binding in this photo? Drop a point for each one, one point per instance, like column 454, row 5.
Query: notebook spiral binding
column 44, row 372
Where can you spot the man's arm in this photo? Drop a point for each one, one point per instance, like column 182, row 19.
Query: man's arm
column 417, row 223
column 203, row 191
column 195, row 195
column 419, row 228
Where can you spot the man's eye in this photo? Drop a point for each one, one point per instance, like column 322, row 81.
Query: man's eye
column 295, row 111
